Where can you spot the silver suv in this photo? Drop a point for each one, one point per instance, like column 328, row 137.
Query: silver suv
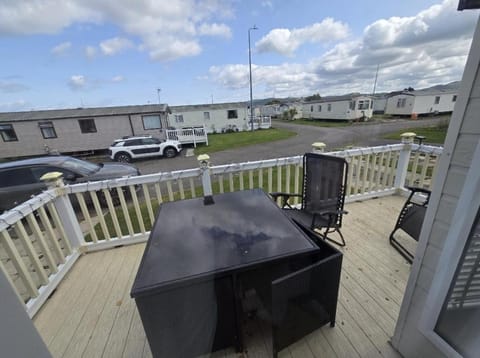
column 19, row 180
column 126, row 149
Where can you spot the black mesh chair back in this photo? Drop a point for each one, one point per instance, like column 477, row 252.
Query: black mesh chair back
column 410, row 220
column 324, row 184
column 323, row 195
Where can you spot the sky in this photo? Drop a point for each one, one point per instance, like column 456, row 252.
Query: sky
column 90, row 53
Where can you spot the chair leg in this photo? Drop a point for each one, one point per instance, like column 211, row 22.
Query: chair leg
column 339, row 243
column 402, row 250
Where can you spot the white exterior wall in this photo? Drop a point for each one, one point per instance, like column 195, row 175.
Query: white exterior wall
column 392, row 108
column 69, row 136
column 339, row 109
column 426, row 104
column 420, row 104
column 218, row 118
column 462, row 140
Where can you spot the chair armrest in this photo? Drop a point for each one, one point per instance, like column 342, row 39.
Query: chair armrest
column 284, row 198
column 415, row 190
column 330, row 214
column 418, row 190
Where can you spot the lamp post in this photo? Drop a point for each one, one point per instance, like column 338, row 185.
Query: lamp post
column 250, row 68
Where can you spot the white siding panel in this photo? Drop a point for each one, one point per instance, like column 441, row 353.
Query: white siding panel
column 471, row 122
column 455, row 179
column 463, row 152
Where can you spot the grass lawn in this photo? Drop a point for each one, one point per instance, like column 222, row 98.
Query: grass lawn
column 320, row 123
column 223, row 141
column 435, row 135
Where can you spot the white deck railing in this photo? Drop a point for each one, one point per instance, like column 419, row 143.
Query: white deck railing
column 263, row 122
column 188, row 135
column 42, row 238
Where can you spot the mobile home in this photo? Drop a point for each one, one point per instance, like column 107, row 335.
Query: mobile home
column 345, row 108
column 216, row 118
column 424, row 102
column 76, row 130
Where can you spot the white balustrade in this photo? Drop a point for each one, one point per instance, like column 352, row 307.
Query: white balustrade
column 42, row 238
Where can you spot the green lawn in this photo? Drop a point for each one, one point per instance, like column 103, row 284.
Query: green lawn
column 320, row 123
column 223, row 141
column 434, row 135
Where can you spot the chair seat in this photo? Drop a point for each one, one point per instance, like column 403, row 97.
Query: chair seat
column 304, row 218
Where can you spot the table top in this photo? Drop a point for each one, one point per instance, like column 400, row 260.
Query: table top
column 192, row 240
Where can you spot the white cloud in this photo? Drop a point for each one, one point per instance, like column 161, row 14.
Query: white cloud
column 117, row 79
column 115, row 45
column 77, row 82
column 153, row 25
column 286, row 42
column 215, row 30
column 267, row 3
column 90, row 52
column 62, row 48
column 418, row 51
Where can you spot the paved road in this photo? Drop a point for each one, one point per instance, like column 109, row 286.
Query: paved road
column 335, row 138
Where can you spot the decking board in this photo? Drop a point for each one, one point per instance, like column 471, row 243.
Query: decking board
column 92, row 315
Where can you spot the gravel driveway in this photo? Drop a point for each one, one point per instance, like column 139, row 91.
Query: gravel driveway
column 361, row 134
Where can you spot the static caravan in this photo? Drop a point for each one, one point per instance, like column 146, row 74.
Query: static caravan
column 76, row 130
column 216, row 118
column 421, row 102
column 345, row 108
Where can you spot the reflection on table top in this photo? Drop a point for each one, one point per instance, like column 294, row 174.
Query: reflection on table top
column 190, row 239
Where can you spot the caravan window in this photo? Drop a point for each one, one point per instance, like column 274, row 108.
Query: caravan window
column 232, row 113
column 179, row 118
column 206, row 116
column 352, row 105
column 8, row 133
column 319, row 108
column 329, row 107
column 152, row 122
column 363, row 104
column 437, row 99
column 401, row 102
column 87, row 125
column 47, row 129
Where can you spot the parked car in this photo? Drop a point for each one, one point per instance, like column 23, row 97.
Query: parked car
column 129, row 148
column 19, row 180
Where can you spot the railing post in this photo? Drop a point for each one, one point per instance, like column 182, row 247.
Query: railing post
column 404, row 159
column 318, row 147
column 204, row 161
column 64, row 209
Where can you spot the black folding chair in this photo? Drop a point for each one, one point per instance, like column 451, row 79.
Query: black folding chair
column 410, row 219
column 323, row 195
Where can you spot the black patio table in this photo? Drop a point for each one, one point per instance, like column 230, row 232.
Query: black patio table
column 200, row 259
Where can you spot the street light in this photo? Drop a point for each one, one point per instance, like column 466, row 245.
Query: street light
column 250, row 68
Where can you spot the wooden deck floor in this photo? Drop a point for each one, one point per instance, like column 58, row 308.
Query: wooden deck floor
column 92, row 315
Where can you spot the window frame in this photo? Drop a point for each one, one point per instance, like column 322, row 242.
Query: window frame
column 437, row 100
column 90, row 120
column 49, row 126
column 232, row 111
column 206, row 116
column 454, row 98
column 2, row 132
column 151, row 116
column 179, row 118
column 329, row 107
column 468, row 206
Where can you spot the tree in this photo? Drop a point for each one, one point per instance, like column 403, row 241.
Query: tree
column 314, row 97
column 289, row 114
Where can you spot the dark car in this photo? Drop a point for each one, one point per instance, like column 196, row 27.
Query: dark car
column 19, row 180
